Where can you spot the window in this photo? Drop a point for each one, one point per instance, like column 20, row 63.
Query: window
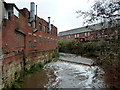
column 16, row 13
column 75, row 35
column 6, row 14
column 30, row 43
column 40, row 25
column 88, row 33
column 51, row 40
column 48, row 30
column 40, row 39
column 69, row 36
column 48, row 40
column 85, row 34
column 35, row 44
column 44, row 28
column 9, row 15
column 29, row 24
column 20, row 39
column 44, row 40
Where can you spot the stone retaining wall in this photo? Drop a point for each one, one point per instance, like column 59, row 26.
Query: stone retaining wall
column 14, row 69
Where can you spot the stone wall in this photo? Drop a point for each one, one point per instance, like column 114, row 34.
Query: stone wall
column 14, row 69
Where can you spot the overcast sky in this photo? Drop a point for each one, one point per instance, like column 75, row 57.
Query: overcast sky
column 62, row 12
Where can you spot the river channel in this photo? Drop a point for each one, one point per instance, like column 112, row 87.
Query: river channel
column 67, row 74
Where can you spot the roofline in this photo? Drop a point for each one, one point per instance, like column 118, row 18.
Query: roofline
column 85, row 26
column 13, row 4
column 79, row 28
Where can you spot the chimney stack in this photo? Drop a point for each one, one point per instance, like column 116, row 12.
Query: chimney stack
column 32, row 11
column 32, row 16
column 49, row 25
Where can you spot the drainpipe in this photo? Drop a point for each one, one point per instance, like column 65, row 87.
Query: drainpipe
column 36, row 18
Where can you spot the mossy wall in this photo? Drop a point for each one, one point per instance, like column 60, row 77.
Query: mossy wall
column 13, row 70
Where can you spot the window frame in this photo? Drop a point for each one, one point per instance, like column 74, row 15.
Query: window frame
column 44, row 28
column 35, row 44
column 40, row 26
column 30, row 43
column 40, row 39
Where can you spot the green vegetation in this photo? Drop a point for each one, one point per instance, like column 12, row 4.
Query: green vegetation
column 55, row 55
column 18, row 81
column 36, row 67
column 16, row 84
column 39, row 65
column 105, row 53
column 82, row 48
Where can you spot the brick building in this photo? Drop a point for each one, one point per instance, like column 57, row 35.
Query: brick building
column 94, row 32
column 24, row 34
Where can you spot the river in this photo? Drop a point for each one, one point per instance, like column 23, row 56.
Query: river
column 67, row 73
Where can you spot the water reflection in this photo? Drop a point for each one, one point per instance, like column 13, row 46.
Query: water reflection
column 35, row 80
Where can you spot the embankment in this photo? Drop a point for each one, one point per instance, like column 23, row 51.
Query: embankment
column 16, row 66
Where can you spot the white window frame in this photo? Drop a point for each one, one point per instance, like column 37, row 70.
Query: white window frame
column 78, row 35
column 75, row 35
column 88, row 33
column 85, row 34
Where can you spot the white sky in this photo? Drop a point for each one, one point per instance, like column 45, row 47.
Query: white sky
column 62, row 12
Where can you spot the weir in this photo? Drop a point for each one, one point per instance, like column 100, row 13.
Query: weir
column 75, row 59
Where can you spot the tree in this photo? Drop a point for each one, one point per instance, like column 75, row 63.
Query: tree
column 104, row 11
column 107, row 11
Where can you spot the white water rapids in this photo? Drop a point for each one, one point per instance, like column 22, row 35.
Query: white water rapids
column 71, row 75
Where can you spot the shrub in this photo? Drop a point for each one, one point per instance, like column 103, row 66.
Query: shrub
column 108, row 53
column 55, row 55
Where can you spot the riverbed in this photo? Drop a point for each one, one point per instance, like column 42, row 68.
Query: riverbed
column 65, row 74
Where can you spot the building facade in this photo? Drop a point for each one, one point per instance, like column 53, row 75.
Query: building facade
column 1, row 56
column 26, row 39
column 94, row 32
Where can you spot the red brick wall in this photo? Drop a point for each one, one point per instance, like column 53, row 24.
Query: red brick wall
column 21, row 24
column 15, row 43
column 12, row 43
column 105, row 34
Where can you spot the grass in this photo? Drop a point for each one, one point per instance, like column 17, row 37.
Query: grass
column 16, row 84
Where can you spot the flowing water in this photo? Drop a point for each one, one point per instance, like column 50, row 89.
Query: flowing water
column 63, row 74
